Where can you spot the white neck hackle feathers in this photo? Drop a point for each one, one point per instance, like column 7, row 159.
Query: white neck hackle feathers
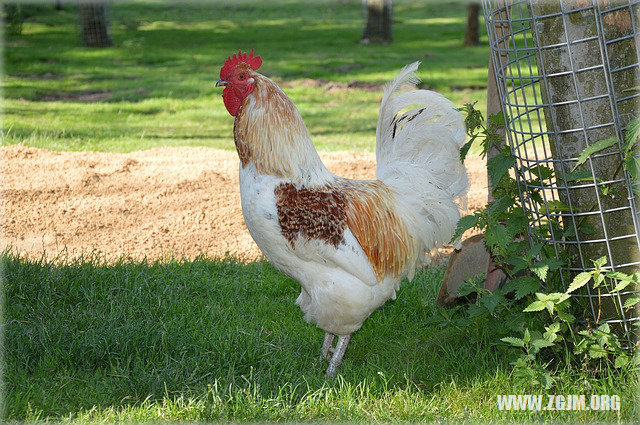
column 271, row 134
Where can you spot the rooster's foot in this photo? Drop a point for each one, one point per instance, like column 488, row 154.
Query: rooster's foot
column 338, row 354
column 327, row 346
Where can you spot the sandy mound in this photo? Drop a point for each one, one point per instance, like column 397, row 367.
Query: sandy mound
column 153, row 203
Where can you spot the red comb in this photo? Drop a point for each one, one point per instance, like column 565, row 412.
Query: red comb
column 253, row 61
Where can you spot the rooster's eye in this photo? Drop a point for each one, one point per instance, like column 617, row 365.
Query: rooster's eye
column 241, row 77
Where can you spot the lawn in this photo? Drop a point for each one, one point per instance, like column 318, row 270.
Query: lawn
column 221, row 340
column 156, row 86
column 218, row 339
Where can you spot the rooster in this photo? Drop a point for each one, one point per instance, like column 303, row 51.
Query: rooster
column 348, row 243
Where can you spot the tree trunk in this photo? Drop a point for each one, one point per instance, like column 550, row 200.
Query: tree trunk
column 494, row 275
column 562, row 121
column 94, row 23
column 472, row 34
column 378, row 28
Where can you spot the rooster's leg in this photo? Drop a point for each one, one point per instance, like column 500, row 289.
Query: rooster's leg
column 327, row 345
column 336, row 359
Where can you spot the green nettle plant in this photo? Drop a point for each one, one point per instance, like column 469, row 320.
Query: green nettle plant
column 532, row 314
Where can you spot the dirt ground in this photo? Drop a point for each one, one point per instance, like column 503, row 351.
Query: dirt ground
column 154, row 203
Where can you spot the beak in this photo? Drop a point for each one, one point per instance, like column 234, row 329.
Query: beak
column 221, row 83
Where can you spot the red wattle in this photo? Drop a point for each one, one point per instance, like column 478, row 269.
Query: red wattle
column 232, row 100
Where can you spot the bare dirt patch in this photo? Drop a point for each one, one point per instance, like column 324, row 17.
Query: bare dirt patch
column 333, row 85
column 42, row 76
column 166, row 201
column 77, row 96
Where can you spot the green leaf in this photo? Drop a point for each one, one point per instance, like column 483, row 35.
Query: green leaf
column 541, row 343
column 619, row 276
column 534, row 251
column 593, row 148
column 464, row 224
column 582, row 345
column 623, row 280
column 541, row 172
column 632, row 134
column 542, row 268
column 598, row 278
column 492, row 139
column 475, row 310
column 516, row 342
column 566, row 317
column 498, row 166
column 597, row 352
column 631, row 301
column 499, row 206
column 579, row 281
column 600, row 262
column 523, row 286
column 553, row 328
column 554, row 206
column 547, row 380
column 491, row 301
column 551, row 333
column 579, row 175
column 518, row 264
column 620, row 286
column 555, row 297
column 535, row 196
column 516, row 222
column 498, row 119
column 548, row 301
column 535, row 306
column 469, row 286
column 632, row 165
column 621, row 361
column 497, row 236
column 474, row 118
column 587, row 229
column 465, row 148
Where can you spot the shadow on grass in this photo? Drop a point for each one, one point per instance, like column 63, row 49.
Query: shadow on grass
column 87, row 334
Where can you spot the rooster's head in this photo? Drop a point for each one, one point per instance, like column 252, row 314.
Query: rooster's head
column 237, row 78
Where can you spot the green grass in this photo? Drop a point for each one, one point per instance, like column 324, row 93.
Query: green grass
column 156, row 84
column 222, row 340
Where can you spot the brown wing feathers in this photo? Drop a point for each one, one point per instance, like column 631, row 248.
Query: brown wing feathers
column 365, row 207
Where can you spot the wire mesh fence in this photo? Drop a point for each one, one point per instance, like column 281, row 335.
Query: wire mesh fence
column 568, row 74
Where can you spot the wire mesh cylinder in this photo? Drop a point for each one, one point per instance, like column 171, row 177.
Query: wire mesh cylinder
column 94, row 23
column 568, row 75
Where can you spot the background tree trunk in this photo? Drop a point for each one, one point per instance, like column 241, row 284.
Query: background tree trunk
column 494, row 275
column 378, row 27
column 94, row 23
column 472, row 34
column 503, row 32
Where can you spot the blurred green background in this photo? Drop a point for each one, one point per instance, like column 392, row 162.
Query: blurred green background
column 155, row 86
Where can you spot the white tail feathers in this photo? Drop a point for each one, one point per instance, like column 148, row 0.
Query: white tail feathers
column 419, row 136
